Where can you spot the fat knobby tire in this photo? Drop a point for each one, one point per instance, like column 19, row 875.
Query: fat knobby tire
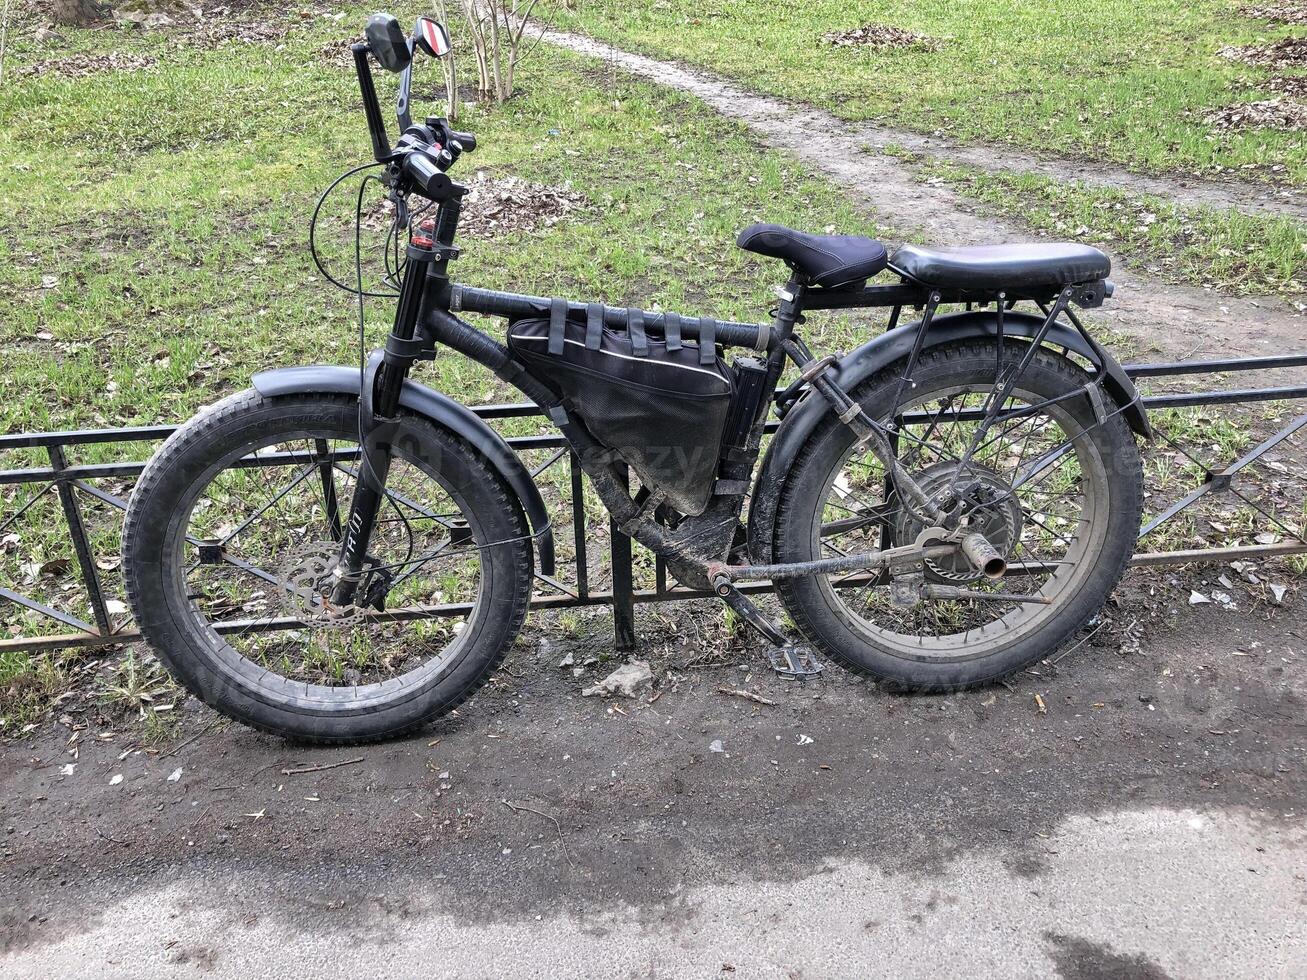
column 804, row 491
column 208, row 667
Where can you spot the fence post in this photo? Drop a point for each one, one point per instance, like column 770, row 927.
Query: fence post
column 81, row 545
column 623, row 583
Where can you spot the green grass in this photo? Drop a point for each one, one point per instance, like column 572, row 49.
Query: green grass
column 1121, row 80
column 166, row 258
column 1224, row 249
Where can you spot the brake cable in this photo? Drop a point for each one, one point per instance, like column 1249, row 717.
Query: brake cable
column 358, row 217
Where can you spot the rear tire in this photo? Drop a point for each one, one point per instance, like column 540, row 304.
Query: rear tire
column 156, row 565
column 875, row 642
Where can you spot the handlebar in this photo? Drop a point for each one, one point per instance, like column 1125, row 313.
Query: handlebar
column 423, row 152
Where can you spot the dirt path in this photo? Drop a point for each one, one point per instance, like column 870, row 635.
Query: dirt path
column 1175, row 321
column 731, row 100
column 1147, row 822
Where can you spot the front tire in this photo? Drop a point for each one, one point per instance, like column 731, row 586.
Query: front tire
column 322, row 681
column 1071, row 537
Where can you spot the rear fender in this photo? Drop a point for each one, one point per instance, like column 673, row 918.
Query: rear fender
column 439, row 410
column 879, row 353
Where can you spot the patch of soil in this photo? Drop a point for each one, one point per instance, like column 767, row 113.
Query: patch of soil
column 1287, row 52
column 496, row 204
column 881, row 37
column 82, row 65
column 1284, row 12
column 337, row 52
column 212, row 25
column 1269, row 114
column 1294, row 86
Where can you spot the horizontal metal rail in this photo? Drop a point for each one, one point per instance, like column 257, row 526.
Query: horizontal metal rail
column 69, row 480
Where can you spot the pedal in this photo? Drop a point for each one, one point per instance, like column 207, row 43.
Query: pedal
column 794, row 662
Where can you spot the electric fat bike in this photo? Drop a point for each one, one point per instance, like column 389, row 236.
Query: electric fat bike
column 341, row 554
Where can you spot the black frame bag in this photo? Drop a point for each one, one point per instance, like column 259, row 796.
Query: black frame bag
column 660, row 404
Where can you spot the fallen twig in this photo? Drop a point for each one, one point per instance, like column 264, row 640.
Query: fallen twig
column 325, row 765
column 198, row 735
column 747, row 695
column 518, row 807
column 1083, row 640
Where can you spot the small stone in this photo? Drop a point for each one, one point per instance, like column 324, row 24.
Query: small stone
column 1246, row 570
column 716, row 746
column 626, row 680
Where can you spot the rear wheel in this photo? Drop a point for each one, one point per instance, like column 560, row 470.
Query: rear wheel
column 1056, row 493
column 229, row 545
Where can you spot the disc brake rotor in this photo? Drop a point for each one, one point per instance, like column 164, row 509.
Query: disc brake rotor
column 988, row 506
column 308, row 576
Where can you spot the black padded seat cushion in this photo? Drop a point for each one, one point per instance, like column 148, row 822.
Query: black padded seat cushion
column 990, row 267
column 827, row 260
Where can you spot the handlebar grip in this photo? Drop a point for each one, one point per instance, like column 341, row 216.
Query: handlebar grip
column 466, row 140
column 426, row 175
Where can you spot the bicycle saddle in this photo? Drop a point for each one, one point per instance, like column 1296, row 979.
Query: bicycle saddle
column 988, row 267
column 827, row 260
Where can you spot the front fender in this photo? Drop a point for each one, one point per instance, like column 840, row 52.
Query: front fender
column 879, row 353
column 441, row 410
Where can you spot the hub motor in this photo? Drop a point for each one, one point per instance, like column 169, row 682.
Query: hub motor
column 984, row 503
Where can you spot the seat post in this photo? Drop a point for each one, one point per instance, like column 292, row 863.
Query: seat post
column 789, row 311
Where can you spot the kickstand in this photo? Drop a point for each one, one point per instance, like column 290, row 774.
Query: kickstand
column 788, row 659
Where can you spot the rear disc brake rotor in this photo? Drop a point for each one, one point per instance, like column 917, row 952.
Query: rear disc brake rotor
column 988, row 506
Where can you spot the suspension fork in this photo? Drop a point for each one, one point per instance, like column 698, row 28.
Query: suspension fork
column 428, row 255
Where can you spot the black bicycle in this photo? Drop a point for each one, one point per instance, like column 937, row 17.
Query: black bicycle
column 939, row 508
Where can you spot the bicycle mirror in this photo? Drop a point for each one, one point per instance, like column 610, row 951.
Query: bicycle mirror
column 432, row 37
column 388, row 43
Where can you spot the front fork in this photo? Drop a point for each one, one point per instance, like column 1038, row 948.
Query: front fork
column 382, row 383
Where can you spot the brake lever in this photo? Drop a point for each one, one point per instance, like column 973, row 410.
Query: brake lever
column 400, row 200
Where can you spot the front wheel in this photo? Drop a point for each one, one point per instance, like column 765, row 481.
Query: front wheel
column 1058, row 493
column 231, row 539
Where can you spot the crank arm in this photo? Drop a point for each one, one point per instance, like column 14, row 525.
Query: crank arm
column 791, row 660
column 752, row 615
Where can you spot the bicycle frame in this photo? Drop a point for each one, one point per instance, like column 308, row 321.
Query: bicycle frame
column 695, row 547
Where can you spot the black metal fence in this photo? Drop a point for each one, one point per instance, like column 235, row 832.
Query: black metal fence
column 71, row 482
